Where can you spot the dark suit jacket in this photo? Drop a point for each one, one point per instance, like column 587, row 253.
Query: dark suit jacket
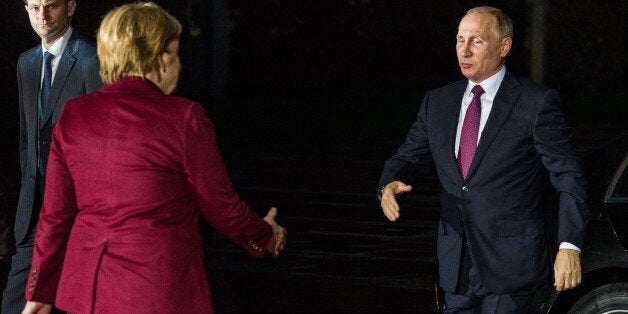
column 76, row 75
column 123, row 197
column 499, row 207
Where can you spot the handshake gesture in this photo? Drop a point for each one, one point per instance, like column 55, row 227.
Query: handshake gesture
column 278, row 242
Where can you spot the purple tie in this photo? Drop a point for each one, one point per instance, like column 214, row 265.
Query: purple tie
column 470, row 130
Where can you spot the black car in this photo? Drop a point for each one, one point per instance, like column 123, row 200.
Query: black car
column 604, row 287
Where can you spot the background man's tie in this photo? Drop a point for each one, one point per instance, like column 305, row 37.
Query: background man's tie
column 45, row 92
column 470, row 130
column 47, row 82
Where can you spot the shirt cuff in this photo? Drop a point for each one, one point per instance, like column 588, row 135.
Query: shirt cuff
column 567, row 245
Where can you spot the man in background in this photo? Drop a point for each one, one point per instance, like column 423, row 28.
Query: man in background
column 62, row 67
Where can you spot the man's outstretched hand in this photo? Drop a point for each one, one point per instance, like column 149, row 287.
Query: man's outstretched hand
column 389, row 204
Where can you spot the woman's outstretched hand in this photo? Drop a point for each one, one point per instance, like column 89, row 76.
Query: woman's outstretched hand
column 278, row 242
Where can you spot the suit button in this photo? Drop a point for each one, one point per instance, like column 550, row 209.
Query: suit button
column 465, row 188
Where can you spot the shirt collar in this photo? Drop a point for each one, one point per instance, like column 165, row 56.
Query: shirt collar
column 490, row 85
column 58, row 47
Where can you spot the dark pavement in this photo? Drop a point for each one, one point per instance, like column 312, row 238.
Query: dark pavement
column 343, row 256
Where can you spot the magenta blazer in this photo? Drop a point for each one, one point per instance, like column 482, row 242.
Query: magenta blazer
column 129, row 172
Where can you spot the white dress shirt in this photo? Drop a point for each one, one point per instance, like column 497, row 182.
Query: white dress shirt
column 490, row 86
column 57, row 50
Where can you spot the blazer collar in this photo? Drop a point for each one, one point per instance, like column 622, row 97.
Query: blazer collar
column 503, row 103
column 66, row 63
column 136, row 84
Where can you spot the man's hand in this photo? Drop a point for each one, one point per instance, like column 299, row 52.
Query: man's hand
column 278, row 242
column 567, row 270
column 389, row 201
column 33, row 307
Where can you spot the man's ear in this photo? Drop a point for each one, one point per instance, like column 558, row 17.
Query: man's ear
column 505, row 46
column 71, row 7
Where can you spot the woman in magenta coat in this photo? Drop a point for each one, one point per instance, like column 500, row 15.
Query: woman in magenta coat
column 130, row 171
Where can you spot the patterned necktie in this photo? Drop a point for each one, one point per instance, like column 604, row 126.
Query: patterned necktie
column 47, row 82
column 470, row 130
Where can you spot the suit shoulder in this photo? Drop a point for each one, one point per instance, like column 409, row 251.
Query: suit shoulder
column 184, row 103
column 29, row 54
column 187, row 107
column 531, row 88
column 81, row 46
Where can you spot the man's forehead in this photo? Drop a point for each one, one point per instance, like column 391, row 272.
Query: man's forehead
column 477, row 22
column 43, row 2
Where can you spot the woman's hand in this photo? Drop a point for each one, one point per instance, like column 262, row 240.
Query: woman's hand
column 34, row 307
column 278, row 242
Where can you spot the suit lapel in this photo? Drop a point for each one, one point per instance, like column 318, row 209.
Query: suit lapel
column 452, row 111
column 63, row 70
column 505, row 99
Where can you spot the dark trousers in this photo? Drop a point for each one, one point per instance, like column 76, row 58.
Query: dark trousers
column 13, row 297
column 472, row 297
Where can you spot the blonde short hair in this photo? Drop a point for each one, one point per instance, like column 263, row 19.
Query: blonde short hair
column 131, row 39
column 503, row 22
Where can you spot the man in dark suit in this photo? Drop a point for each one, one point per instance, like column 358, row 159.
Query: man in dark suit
column 495, row 140
column 64, row 66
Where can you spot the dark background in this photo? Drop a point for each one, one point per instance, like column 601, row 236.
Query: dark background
column 316, row 95
column 348, row 67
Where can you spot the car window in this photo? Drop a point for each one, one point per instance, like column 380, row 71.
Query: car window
column 621, row 189
column 618, row 188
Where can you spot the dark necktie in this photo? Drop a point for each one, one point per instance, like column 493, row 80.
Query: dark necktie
column 470, row 132
column 45, row 92
column 47, row 82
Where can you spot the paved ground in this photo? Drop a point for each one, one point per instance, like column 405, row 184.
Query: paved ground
column 343, row 256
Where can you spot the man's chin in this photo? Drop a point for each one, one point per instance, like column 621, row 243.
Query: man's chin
column 466, row 72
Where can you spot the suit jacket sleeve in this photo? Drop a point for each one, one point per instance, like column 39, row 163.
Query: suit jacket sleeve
column 218, row 202
column 7, row 241
column 53, row 230
column 23, row 142
column 553, row 144
column 413, row 159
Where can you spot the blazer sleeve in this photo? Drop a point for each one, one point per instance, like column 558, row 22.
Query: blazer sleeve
column 219, row 204
column 413, row 160
column 55, row 223
column 23, row 142
column 552, row 140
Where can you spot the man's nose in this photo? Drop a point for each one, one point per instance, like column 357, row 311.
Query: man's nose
column 465, row 51
column 43, row 13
